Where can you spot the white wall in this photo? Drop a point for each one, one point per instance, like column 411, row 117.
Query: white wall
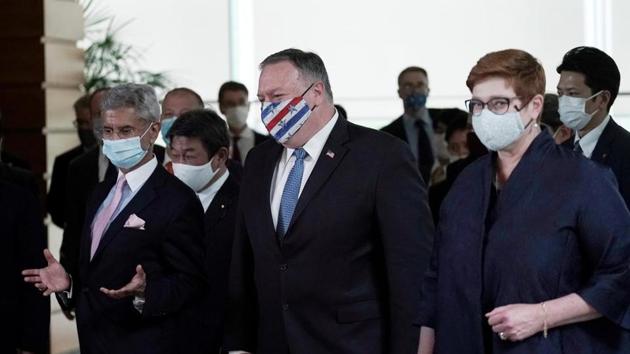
column 364, row 44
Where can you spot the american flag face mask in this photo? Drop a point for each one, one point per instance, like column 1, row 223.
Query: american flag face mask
column 283, row 119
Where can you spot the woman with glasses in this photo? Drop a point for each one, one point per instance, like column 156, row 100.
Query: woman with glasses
column 533, row 247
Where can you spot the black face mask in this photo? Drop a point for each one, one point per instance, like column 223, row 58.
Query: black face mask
column 87, row 138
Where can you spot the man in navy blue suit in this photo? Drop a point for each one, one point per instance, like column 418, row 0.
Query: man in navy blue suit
column 588, row 87
column 141, row 254
column 333, row 231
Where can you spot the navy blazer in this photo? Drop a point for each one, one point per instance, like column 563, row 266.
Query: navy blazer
column 560, row 227
column 82, row 180
column 613, row 150
column 207, row 319
column 56, row 199
column 346, row 278
column 170, row 249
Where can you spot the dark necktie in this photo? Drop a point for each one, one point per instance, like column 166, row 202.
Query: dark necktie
column 236, row 153
column 577, row 147
column 425, row 152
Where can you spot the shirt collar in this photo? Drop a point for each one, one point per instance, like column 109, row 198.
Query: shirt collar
column 247, row 133
column 314, row 146
column 207, row 195
column 589, row 141
column 136, row 178
column 424, row 117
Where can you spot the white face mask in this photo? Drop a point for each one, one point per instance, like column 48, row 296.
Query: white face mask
column 195, row 177
column 572, row 111
column 237, row 116
column 496, row 131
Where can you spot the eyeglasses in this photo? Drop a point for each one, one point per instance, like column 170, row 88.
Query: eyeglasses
column 122, row 133
column 497, row 105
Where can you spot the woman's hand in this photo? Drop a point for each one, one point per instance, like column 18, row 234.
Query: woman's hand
column 516, row 322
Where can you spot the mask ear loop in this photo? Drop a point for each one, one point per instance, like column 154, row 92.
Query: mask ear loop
column 533, row 120
column 305, row 91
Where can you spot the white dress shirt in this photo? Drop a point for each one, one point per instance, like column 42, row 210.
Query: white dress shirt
column 246, row 141
column 313, row 148
column 589, row 141
column 135, row 180
column 207, row 195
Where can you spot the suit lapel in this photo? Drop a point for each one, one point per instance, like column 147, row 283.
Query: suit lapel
column 221, row 203
column 99, row 195
column 330, row 157
column 602, row 148
column 144, row 197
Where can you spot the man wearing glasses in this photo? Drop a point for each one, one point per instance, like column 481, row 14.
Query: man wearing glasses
column 141, row 254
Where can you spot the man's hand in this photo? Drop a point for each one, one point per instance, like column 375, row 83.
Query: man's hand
column 51, row 279
column 134, row 288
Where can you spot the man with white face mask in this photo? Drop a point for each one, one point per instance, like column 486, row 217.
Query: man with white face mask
column 199, row 148
column 234, row 105
column 588, row 86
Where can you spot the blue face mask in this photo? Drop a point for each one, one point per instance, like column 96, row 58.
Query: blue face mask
column 165, row 127
column 416, row 101
column 125, row 153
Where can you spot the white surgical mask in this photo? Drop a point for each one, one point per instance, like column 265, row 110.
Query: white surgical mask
column 195, row 177
column 498, row 131
column 237, row 116
column 572, row 111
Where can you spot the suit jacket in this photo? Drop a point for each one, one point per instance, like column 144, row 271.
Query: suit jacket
column 557, row 227
column 346, row 278
column 25, row 313
column 259, row 138
column 82, row 180
column 19, row 176
column 170, row 249
column 56, row 201
column 613, row 150
column 208, row 321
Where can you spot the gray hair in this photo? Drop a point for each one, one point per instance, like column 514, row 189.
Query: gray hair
column 140, row 97
column 309, row 65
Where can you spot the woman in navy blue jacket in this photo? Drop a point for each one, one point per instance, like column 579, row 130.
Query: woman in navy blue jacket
column 533, row 247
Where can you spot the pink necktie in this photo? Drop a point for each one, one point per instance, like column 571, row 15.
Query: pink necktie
column 103, row 218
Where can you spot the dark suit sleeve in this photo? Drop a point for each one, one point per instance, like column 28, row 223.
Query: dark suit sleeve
column 406, row 226
column 604, row 231
column 56, row 194
column 34, row 308
column 75, row 215
column 241, row 321
column 181, row 273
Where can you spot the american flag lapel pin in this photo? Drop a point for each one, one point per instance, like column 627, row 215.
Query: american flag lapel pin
column 330, row 154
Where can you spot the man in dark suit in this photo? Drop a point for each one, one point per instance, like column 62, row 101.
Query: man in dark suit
column 56, row 201
column 588, row 86
column 333, row 229
column 24, row 312
column 234, row 105
column 142, row 237
column 421, row 127
column 200, row 148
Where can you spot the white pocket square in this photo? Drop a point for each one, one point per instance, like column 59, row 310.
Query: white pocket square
column 134, row 222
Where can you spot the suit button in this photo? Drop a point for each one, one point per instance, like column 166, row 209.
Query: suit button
column 283, row 267
column 285, row 307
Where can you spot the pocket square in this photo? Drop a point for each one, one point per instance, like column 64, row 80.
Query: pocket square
column 134, row 222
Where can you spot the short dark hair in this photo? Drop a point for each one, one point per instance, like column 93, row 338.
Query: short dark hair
column 412, row 69
column 186, row 91
column 459, row 123
column 308, row 64
column 82, row 103
column 231, row 86
column 599, row 69
column 204, row 124
column 550, row 115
